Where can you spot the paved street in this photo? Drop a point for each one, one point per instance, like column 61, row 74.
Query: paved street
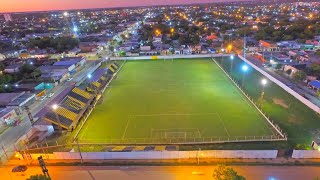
column 10, row 136
column 165, row 172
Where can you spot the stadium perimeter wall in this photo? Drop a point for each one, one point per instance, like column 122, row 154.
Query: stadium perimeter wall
column 283, row 86
column 157, row 155
column 170, row 57
column 306, row 154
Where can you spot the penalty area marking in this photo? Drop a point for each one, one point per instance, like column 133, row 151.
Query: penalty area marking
column 125, row 130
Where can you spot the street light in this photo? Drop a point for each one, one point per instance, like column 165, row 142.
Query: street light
column 75, row 29
column 231, row 64
column 54, row 108
column 263, row 82
column 244, row 69
column 65, row 14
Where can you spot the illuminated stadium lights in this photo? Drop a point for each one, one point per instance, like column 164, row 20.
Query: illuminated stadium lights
column 264, row 82
column 245, row 68
column 55, row 107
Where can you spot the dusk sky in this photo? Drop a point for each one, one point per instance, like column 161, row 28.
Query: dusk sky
column 40, row 5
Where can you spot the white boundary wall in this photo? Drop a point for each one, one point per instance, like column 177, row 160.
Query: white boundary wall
column 176, row 56
column 158, row 155
column 306, row 154
column 283, row 86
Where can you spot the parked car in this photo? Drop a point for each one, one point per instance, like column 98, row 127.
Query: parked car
column 43, row 97
column 19, row 169
column 69, row 79
column 50, row 94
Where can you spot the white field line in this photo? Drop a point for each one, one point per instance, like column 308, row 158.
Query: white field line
column 176, row 114
column 85, row 120
column 279, row 131
column 222, row 122
column 125, row 130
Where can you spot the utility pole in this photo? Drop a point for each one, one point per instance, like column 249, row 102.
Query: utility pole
column 29, row 114
column 244, row 46
column 43, row 166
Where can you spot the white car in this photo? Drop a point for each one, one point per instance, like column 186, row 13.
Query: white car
column 43, row 97
column 69, row 79
column 50, row 95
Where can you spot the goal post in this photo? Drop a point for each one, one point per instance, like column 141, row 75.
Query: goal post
column 175, row 133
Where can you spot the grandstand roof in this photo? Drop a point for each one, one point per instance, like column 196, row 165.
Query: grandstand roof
column 70, row 109
column 66, row 63
column 97, row 75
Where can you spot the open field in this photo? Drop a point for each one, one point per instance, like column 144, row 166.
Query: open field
column 180, row 99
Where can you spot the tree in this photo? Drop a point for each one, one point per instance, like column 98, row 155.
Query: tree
column 1, row 66
column 315, row 69
column 289, row 71
column 226, row 173
column 39, row 177
column 278, row 66
column 36, row 73
column 299, row 76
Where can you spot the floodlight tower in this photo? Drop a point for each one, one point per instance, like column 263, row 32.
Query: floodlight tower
column 244, row 69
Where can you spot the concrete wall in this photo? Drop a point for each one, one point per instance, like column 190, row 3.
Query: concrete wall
column 283, row 86
column 306, row 154
column 169, row 57
column 163, row 154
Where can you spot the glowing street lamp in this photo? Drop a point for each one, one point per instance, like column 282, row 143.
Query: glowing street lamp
column 65, row 14
column 55, row 108
column 244, row 69
column 263, row 83
column 231, row 64
column 229, row 47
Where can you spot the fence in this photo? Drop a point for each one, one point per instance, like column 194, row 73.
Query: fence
column 283, row 86
column 276, row 127
column 170, row 57
column 156, row 155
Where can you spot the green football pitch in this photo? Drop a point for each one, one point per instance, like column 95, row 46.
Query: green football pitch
column 185, row 100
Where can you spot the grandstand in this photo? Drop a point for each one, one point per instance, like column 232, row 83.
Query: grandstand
column 76, row 102
column 99, row 78
column 70, row 109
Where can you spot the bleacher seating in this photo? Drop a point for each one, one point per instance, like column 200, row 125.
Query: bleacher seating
column 70, row 109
